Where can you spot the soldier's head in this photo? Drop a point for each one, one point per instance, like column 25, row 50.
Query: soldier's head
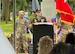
column 21, row 14
column 38, row 12
column 70, row 38
column 45, row 45
column 59, row 48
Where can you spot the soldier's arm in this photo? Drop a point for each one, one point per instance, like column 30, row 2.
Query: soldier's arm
column 29, row 25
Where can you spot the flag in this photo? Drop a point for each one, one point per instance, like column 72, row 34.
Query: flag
column 63, row 7
column 65, row 11
column 27, row 19
column 53, row 20
column 59, row 30
column 35, row 5
column 69, row 19
column 59, row 5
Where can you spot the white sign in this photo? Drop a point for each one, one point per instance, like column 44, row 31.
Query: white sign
column 5, row 46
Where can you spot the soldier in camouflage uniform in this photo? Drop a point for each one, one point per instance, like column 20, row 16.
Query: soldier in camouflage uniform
column 66, row 28
column 21, row 23
column 38, row 16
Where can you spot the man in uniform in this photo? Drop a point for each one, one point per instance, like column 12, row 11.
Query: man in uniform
column 66, row 28
column 21, row 23
column 38, row 15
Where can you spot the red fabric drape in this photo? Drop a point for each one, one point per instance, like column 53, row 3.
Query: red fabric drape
column 65, row 11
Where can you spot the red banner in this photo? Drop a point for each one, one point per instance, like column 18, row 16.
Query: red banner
column 69, row 19
column 65, row 11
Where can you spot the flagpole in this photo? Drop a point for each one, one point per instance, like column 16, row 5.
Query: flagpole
column 56, row 33
column 14, row 15
column 56, row 29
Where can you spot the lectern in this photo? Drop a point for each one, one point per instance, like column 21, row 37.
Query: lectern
column 40, row 30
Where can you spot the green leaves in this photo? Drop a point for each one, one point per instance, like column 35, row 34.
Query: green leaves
column 72, row 3
column 21, row 5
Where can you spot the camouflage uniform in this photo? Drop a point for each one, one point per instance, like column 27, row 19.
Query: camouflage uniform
column 38, row 19
column 65, row 30
column 21, row 33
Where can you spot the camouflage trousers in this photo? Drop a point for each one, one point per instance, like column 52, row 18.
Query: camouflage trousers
column 62, row 36
column 21, row 41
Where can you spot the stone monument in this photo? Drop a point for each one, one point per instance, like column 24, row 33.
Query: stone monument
column 48, row 8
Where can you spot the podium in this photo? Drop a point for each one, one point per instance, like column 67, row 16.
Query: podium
column 40, row 30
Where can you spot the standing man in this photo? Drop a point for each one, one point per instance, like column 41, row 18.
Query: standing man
column 21, row 24
column 38, row 15
column 66, row 28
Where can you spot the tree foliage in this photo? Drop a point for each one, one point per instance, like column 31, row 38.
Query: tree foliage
column 72, row 4
column 21, row 4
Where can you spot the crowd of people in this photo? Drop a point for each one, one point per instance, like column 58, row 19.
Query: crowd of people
column 66, row 40
column 22, row 25
column 46, row 45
